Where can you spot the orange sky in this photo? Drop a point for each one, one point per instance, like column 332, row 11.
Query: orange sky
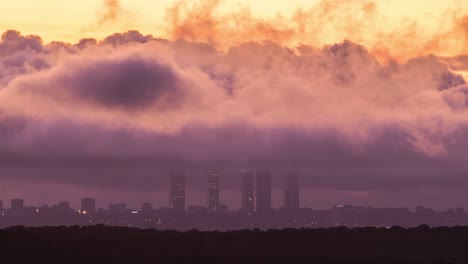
column 392, row 28
column 71, row 20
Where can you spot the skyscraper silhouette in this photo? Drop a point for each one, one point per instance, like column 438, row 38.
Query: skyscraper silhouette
column 263, row 190
column 291, row 191
column 177, row 191
column 247, row 199
column 17, row 204
column 213, row 191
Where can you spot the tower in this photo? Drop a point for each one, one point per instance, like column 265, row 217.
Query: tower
column 263, row 190
column 213, row 191
column 177, row 191
column 17, row 204
column 291, row 191
column 247, row 199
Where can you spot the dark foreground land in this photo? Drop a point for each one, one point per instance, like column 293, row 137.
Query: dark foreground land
column 99, row 244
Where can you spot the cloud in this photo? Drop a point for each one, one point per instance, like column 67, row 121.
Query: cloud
column 110, row 12
column 111, row 15
column 354, row 108
column 131, row 108
column 20, row 55
column 324, row 23
column 127, row 37
column 131, row 83
column 86, row 42
column 13, row 41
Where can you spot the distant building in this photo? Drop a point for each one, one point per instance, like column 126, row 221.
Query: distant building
column 146, row 208
column 263, row 190
column 196, row 209
column 422, row 210
column 177, row 191
column 88, row 206
column 61, row 209
column 291, row 191
column 17, row 204
column 63, row 205
column 213, row 191
column 247, row 199
column 118, row 208
column 223, row 208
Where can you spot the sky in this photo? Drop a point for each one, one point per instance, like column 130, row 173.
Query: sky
column 367, row 100
column 71, row 20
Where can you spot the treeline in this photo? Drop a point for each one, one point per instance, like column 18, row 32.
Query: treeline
column 101, row 244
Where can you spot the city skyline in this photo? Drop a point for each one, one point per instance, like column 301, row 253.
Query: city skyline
column 197, row 193
column 255, row 208
column 255, row 183
column 255, row 193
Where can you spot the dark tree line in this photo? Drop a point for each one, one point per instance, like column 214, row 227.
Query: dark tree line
column 100, row 244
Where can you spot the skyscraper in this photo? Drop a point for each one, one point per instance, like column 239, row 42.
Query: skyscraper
column 213, row 191
column 291, row 191
column 247, row 199
column 263, row 190
column 17, row 204
column 88, row 206
column 177, row 191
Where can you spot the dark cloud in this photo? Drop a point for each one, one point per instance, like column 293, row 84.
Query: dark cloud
column 129, row 83
column 136, row 161
column 449, row 80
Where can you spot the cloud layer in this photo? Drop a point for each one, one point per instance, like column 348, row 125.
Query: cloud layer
column 328, row 21
column 122, row 112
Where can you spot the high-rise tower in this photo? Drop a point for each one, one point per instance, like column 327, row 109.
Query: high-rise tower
column 247, row 191
column 17, row 204
column 291, row 191
column 177, row 191
column 263, row 190
column 213, row 191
